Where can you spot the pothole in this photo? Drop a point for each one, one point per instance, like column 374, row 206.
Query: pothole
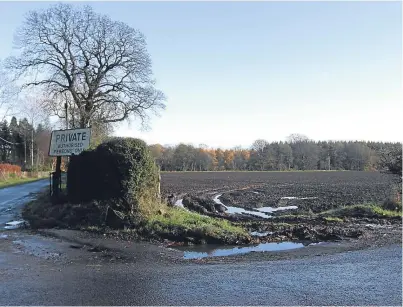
column 75, row 246
column 204, row 251
column 37, row 247
column 95, row 249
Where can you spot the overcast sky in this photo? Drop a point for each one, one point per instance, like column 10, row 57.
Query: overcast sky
column 235, row 72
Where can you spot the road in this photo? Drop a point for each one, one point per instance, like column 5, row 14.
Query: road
column 78, row 277
column 13, row 198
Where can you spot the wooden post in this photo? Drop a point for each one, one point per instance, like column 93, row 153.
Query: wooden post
column 159, row 183
column 56, row 178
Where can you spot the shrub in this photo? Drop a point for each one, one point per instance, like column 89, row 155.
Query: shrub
column 394, row 201
column 392, row 204
column 121, row 172
column 7, row 170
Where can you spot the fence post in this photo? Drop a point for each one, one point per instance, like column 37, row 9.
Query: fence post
column 56, row 184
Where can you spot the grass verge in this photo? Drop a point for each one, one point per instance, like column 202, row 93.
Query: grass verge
column 195, row 228
column 175, row 224
column 16, row 181
column 364, row 210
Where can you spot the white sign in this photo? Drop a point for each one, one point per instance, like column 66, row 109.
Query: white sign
column 69, row 142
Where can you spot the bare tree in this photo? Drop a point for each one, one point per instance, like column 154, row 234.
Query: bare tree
column 8, row 94
column 296, row 138
column 99, row 67
column 30, row 108
column 259, row 145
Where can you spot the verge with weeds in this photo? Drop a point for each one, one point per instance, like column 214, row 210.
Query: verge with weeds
column 12, row 181
column 171, row 223
column 195, row 228
column 333, row 219
column 363, row 210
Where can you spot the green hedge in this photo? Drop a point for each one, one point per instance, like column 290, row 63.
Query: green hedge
column 121, row 171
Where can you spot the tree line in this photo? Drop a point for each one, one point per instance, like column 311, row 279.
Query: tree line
column 300, row 154
column 25, row 145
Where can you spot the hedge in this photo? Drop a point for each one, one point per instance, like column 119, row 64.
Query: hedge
column 120, row 171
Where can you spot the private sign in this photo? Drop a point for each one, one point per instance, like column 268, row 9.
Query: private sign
column 68, row 142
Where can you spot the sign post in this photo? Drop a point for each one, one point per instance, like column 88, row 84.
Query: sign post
column 66, row 143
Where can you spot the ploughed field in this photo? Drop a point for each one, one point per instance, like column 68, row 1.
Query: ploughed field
column 309, row 191
column 294, row 206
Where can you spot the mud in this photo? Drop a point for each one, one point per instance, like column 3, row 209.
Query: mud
column 316, row 191
column 283, row 205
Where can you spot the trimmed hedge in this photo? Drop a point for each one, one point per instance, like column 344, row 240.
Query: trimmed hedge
column 121, row 171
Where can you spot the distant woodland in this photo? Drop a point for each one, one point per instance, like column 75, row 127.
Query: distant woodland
column 27, row 146
column 298, row 153
column 24, row 145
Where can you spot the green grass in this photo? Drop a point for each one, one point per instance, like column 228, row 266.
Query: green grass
column 176, row 217
column 178, row 224
column 333, row 219
column 293, row 216
column 387, row 213
column 16, row 181
column 364, row 210
column 245, row 171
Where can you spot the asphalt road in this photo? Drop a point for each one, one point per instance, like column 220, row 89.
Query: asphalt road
column 371, row 277
column 13, row 198
column 367, row 277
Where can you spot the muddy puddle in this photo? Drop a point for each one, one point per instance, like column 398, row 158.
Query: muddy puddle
column 295, row 197
column 271, row 209
column 234, row 210
column 260, row 234
column 263, row 212
column 260, row 212
column 204, row 251
column 36, row 247
column 179, row 203
column 15, row 224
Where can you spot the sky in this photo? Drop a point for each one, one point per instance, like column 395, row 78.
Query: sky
column 234, row 72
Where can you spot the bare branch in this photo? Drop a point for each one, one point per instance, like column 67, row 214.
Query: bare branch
column 100, row 66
